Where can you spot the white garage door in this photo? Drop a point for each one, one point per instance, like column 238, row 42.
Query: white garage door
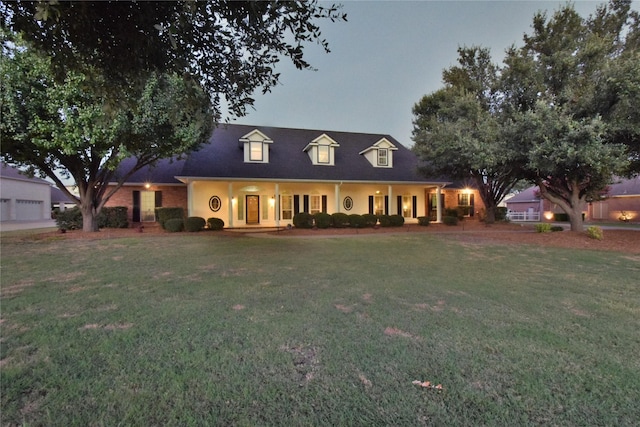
column 28, row 210
column 4, row 210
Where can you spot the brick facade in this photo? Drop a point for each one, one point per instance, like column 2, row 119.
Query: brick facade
column 172, row 196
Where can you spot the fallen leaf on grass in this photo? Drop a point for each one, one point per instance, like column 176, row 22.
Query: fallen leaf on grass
column 427, row 384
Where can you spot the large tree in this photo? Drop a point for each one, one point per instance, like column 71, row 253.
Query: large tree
column 67, row 126
column 230, row 46
column 99, row 81
column 571, row 94
column 458, row 132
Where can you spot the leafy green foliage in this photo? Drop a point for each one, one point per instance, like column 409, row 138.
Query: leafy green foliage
column 174, row 225
column 340, row 220
column 60, row 123
column 232, row 47
column 424, row 221
column 215, row 224
column 543, row 227
column 109, row 217
column 322, row 220
column 595, row 232
column 303, row 220
column 194, row 223
column 370, row 220
column 167, row 213
column 356, row 221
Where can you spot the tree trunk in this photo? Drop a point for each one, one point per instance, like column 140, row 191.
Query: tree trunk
column 89, row 218
column 490, row 212
column 575, row 218
column 572, row 204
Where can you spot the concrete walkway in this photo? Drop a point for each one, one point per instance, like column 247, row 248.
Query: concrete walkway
column 26, row 225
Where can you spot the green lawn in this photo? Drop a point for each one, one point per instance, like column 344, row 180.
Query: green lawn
column 204, row 329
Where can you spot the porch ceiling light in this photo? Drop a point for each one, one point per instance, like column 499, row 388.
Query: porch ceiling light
column 147, row 185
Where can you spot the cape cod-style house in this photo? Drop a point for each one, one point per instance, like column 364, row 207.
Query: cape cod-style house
column 258, row 176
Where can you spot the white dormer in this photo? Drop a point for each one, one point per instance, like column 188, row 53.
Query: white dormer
column 321, row 150
column 256, row 147
column 380, row 154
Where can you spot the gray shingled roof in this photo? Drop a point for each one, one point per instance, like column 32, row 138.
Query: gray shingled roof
column 7, row 171
column 223, row 158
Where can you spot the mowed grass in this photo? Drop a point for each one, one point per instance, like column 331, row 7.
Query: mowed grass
column 203, row 329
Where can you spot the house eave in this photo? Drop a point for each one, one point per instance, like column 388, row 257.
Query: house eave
column 188, row 179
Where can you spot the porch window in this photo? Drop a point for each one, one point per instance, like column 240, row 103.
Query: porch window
column 463, row 199
column 315, row 204
column 147, row 206
column 407, row 208
column 378, row 205
column 286, row 203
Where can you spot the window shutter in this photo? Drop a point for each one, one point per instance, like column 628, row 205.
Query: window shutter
column 386, row 205
column 324, row 203
column 399, row 207
column 371, row 205
column 158, row 199
column 414, row 206
column 471, row 202
column 296, row 204
column 136, row 206
column 305, row 203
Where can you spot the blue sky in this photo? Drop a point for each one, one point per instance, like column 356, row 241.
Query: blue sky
column 386, row 57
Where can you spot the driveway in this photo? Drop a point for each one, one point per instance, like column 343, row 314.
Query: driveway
column 26, row 225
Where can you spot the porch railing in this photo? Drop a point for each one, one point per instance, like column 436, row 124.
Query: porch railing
column 524, row 216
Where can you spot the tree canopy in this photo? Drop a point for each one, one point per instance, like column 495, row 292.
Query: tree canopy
column 230, row 47
column 65, row 127
column 565, row 104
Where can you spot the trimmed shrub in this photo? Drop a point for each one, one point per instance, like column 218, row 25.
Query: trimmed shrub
column 356, row 221
column 322, row 219
column 396, row 220
column 595, row 232
column 424, row 221
column 194, row 223
column 450, row 220
column 70, row 219
column 556, row 228
column 384, row 220
column 463, row 210
column 303, row 220
column 543, row 228
column 165, row 214
column 113, row 217
column 173, row 225
column 370, row 220
column 501, row 213
column 340, row 220
column 215, row 224
column 563, row 217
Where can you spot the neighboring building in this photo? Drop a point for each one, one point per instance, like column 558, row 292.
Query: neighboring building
column 262, row 176
column 60, row 200
column 621, row 201
column 23, row 198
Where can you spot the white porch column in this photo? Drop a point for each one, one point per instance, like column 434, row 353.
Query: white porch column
column 390, row 192
column 230, row 197
column 276, row 205
column 438, row 205
column 190, row 198
column 337, row 193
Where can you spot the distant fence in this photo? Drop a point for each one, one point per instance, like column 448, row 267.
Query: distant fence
column 524, row 216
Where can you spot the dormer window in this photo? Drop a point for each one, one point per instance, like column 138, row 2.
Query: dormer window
column 256, row 147
column 380, row 154
column 321, row 150
column 256, row 151
column 383, row 157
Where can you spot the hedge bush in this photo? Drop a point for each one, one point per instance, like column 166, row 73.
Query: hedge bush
column 384, row 220
column 450, row 220
column 543, row 227
column 557, row 228
column 356, row 221
column 370, row 220
column 397, row 220
column 215, row 224
column 194, row 223
column 322, row 220
column 424, row 221
column 501, row 213
column 109, row 217
column 173, row 225
column 164, row 214
column 340, row 220
column 113, row 217
column 303, row 220
column 595, row 232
